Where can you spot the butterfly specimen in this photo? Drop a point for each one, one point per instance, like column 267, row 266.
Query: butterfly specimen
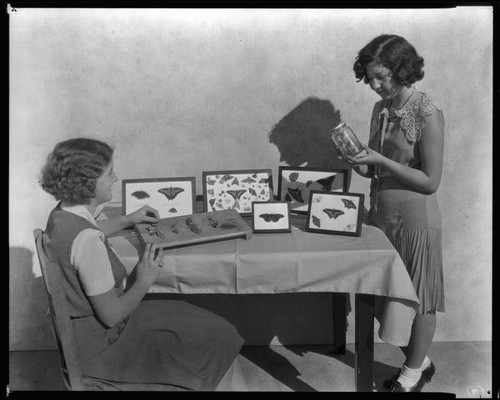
column 235, row 182
column 270, row 217
column 348, row 203
column 295, row 194
column 264, row 180
column 293, row 176
column 192, row 226
column 225, row 178
column 170, row 192
column 236, row 194
column 227, row 225
column 253, row 192
column 248, row 180
column 172, row 210
column 316, row 221
column 210, row 192
column 326, row 183
column 349, row 228
column 211, row 181
column 140, row 194
column 212, row 201
column 212, row 222
column 333, row 213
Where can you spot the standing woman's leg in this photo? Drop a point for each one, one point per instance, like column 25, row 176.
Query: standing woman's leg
column 422, row 334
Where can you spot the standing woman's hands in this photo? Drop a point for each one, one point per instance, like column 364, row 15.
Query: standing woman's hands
column 367, row 157
column 149, row 266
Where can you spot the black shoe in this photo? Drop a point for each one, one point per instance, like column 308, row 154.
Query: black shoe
column 388, row 382
column 396, row 386
column 427, row 373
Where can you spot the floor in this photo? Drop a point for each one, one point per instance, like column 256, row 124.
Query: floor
column 463, row 368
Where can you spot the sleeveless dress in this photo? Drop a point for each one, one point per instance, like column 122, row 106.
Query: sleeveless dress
column 410, row 219
column 163, row 342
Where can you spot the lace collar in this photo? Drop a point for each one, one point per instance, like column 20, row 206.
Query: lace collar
column 412, row 116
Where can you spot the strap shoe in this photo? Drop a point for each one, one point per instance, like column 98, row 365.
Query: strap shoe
column 427, row 374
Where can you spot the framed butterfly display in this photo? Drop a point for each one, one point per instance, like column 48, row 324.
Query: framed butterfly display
column 236, row 190
column 172, row 197
column 336, row 213
column 295, row 184
column 271, row 216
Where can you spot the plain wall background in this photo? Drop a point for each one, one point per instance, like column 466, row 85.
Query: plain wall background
column 177, row 92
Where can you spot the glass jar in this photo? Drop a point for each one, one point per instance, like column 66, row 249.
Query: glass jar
column 345, row 140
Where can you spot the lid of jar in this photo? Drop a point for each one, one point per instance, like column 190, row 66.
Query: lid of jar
column 340, row 125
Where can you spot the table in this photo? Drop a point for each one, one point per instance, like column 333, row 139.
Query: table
column 300, row 261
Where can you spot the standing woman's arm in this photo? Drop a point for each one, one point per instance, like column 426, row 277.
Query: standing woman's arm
column 431, row 145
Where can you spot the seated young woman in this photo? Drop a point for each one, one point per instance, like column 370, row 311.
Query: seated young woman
column 121, row 337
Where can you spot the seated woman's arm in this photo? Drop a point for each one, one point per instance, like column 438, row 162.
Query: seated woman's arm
column 91, row 261
column 145, row 214
column 112, row 309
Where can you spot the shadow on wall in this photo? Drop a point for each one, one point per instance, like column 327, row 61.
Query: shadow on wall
column 30, row 326
column 303, row 139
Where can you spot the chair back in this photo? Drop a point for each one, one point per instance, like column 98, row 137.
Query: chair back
column 63, row 330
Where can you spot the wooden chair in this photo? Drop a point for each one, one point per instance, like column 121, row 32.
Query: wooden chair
column 63, row 330
column 73, row 378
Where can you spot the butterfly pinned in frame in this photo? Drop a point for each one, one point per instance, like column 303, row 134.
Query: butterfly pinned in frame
column 316, row 221
column 170, row 192
column 295, row 194
column 236, row 194
column 248, row 180
column 349, row 204
column 140, row 194
column 225, row 178
column 333, row 212
column 271, row 217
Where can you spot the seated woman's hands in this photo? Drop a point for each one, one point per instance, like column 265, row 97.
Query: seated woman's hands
column 149, row 265
column 145, row 214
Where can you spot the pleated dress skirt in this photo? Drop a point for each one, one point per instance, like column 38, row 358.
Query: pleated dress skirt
column 412, row 222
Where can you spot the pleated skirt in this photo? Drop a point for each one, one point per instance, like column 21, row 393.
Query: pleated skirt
column 412, row 222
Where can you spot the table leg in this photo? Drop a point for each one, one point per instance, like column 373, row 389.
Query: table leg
column 339, row 308
column 364, row 313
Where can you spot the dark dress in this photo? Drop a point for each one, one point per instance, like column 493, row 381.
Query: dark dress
column 161, row 342
column 409, row 218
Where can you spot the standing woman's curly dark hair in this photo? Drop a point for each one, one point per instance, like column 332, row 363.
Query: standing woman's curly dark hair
column 73, row 168
column 396, row 54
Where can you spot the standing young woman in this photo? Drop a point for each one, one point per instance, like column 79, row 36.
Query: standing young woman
column 121, row 338
column 404, row 159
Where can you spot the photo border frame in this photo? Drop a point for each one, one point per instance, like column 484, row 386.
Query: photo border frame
column 359, row 217
column 206, row 174
column 270, row 204
column 281, row 169
column 190, row 179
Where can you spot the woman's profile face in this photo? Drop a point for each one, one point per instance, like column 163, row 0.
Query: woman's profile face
column 104, row 184
column 381, row 80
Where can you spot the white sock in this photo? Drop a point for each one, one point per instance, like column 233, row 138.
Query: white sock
column 410, row 376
